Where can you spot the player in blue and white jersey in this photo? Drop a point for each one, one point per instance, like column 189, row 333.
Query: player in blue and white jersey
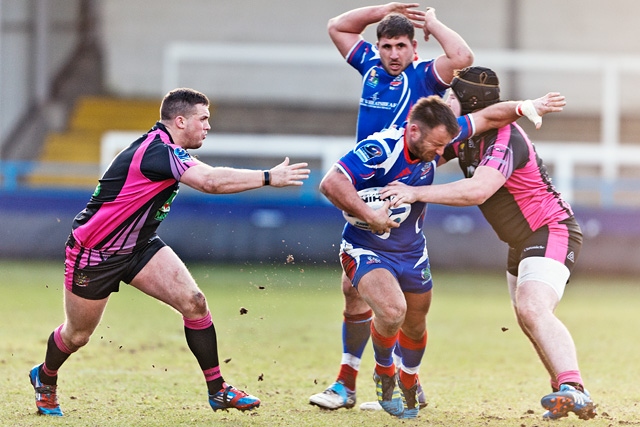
column 403, row 155
column 394, row 78
column 389, row 265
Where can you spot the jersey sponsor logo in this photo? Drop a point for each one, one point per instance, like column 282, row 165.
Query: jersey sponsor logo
column 373, row 79
column 368, row 152
column 381, row 105
column 181, row 154
column 166, row 207
column 571, row 256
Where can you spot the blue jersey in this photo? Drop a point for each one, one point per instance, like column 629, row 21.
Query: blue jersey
column 381, row 159
column 375, row 162
column 386, row 100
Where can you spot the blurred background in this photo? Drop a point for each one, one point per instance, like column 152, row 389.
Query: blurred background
column 80, row 79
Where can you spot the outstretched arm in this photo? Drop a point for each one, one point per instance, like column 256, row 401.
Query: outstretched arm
column 346, row 29
column 225, row 180
column 465, row 192
column 457, row 54
column 501, row 114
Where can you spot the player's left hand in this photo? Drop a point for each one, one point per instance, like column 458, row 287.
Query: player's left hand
column 552, row 102
column 285, row 174
column 429, row 16
column 399, row 193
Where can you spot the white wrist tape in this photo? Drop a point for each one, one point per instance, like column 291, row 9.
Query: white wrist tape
column 529, row 110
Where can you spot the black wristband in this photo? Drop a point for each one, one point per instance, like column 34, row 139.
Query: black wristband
column 267, row 177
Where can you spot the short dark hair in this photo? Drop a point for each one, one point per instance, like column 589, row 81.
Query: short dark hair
column 431, row 112
column 395, row 25
column 181, row 102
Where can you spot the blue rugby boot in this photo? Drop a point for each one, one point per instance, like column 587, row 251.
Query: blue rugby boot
column 568, row 399
column 388, row 395
column 230, row 397
column 46, row 398
column 410, row 400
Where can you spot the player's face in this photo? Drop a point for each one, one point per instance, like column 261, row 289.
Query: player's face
column 453, row 103
column 396, row 54
column 428, row 144
column 196, row 127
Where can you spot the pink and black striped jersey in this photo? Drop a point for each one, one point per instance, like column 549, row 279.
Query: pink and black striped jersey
column 134, row 195
column 528, row 199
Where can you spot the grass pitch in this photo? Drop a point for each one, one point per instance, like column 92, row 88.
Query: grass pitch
column 479, row 370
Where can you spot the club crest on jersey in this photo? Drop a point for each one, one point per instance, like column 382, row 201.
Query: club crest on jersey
column 80, row 279
column 373, row 260
column 426, row 275
column 426, row 170
column 396, row 83
column 368, row 152
column 181, row 154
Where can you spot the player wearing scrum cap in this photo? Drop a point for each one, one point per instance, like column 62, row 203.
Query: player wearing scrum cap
column 389, row 265
column 394, row 78
column 509, row 182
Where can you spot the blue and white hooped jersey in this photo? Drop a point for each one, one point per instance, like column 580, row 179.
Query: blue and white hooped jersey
column 386, row 100
column 375, row 162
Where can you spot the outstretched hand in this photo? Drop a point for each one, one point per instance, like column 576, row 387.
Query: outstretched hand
column 552, row 102
column 284, row 174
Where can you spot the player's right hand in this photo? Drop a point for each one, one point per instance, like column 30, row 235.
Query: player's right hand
column 379, row 221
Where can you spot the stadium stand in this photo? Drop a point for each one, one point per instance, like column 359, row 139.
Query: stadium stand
column 76, row 150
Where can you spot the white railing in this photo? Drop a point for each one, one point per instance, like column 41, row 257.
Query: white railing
column 564, row 158
column 251, row 72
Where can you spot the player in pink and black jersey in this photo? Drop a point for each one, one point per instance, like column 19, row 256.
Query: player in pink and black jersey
column 114, row 239
column 508, row 181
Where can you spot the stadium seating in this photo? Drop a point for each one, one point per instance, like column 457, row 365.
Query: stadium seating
column 67, row 156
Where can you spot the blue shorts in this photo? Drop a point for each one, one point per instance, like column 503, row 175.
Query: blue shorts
column 411, row 269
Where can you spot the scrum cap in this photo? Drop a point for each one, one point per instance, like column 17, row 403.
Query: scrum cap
column 476, row 88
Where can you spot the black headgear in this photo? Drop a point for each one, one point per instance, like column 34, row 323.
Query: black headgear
column 476, row 88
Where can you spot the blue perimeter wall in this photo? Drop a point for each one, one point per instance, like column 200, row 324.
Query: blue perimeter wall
column 250, row 228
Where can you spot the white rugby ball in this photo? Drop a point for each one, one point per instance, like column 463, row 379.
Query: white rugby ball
column 371, row 196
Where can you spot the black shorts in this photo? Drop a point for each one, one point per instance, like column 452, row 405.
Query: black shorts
column 560, row 241
column 95, row 281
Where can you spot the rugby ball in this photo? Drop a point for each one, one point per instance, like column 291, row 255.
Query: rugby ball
column 371, row 196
